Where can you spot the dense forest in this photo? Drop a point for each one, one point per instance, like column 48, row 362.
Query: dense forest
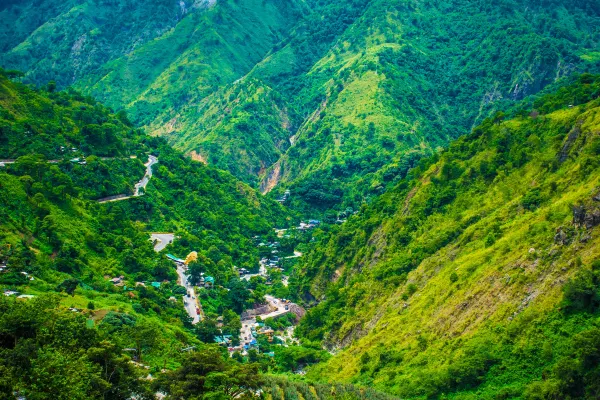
column 60, row 246
column 335, row 101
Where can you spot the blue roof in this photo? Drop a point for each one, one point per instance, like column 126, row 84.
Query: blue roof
column 172, row 257
column 209, row 279
column 222, row 339
column 156, row 284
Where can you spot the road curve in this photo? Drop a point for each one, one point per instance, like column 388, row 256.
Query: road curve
column 162, row 240
column 138, row 186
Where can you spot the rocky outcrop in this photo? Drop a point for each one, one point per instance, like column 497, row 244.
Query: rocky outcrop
column 248, row 314
column 587, row 215
column 297, row 310
column 271, row 179
column 567, row 146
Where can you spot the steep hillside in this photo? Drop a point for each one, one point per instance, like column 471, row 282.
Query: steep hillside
column 333, row 100
column 59, row 244
column 150, row 58
column 375, row 85
column 477, row 276
column 244, row 128
column 404, row 78
column 67, row 40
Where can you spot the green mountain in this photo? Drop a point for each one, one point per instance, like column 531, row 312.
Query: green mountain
column 402, row 79
column 450, row 148
column 478, row 275
column 333, row 100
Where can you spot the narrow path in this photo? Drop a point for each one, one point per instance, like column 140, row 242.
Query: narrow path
column 138, row 186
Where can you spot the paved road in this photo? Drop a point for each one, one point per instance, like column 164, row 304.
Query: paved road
column 277, row 304
column 262, row 271
column 163, row 239
column 296, row 255
column 144, row 182
column 190, row 300
column 140, row 185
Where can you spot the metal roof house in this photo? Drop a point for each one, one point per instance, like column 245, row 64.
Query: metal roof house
column 175, row 259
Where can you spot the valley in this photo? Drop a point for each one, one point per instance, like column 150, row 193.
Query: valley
column 299, row 200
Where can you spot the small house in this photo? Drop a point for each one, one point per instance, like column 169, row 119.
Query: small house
column 268, row 332
column 209, row 281
column 27, row 275
column 155, row 285
column 223, row 340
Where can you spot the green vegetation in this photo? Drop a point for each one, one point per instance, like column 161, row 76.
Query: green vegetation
column 277, row 388
column 466, row 273
column 56, row 238
column 450, row 285
column 403, row 79
column 336, row 101
column 158, row 60
column 49, row 351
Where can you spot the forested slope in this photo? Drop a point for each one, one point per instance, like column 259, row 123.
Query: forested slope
column 59, row 245
column 405, row 78
column 336, row 100
column 477, row 276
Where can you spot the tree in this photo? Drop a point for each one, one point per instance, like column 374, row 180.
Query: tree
column 205, row 374
column 145, row 335
column 238, row 295
column 207, row 329
column 68, row 285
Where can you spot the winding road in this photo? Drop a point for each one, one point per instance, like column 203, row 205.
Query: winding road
column 190, row 300
column 138, row 186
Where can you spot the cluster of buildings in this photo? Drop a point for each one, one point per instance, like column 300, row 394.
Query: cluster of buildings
column 206, row 281
column 4, row 268
column 312, row 223
column 9, row 292
column 119, row 281
column 272, row 262
column 249, row 341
